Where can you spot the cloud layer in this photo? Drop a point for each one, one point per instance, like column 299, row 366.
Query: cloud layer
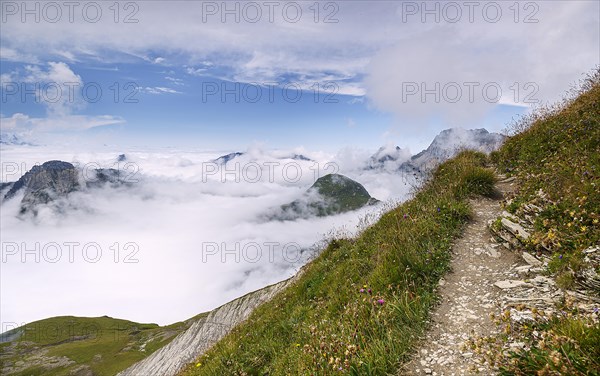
column 199, row 241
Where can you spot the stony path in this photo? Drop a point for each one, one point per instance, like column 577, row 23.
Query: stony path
column 468, row 297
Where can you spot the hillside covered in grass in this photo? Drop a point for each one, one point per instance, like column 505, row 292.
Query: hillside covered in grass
column 69, row 345
column 554, row 155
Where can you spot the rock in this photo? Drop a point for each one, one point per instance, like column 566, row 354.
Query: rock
column 508, row 284
column 515, row 229
column 45, row 183
column 528, row 269
column 531, row 260
column 104, row 176
column 447, row 144
column 509, row 216
column 202, row 334
column 540, row 280
column 222, row 160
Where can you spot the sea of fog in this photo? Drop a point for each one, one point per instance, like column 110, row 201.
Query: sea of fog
column 179, row 239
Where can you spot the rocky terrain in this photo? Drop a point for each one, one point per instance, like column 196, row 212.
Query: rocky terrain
column 204, row 333
column 56, row 179
column 448, row 143
column 494, row 288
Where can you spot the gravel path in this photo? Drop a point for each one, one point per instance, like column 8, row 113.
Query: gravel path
column 468, row 297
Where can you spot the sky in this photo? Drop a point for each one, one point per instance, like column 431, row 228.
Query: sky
column 225, row 75
column 173, row 85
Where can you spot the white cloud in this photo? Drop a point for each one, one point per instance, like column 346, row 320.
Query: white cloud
column 175, row 80
column 528, row 61
column 19, row 122
column 168, row 214
column 58, row 88
column 159, row 90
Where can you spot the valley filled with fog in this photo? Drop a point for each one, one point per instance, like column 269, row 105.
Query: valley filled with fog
column 184, row 234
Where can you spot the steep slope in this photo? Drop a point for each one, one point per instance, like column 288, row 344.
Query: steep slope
column 362, row 304
column 554, row 216
column 203, row 334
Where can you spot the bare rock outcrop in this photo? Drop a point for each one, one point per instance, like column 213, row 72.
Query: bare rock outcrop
column 202, row 334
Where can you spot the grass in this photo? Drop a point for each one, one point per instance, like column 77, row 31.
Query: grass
column 361, row 305
column 105, row 344
column 557, row 151
column 555, row 156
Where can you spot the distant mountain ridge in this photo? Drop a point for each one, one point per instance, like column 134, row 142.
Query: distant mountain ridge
column 224, row 159
column 444, row 146
column 13, row 139
column 55, row 179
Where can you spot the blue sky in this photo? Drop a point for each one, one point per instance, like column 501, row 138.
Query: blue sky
column 166, row 67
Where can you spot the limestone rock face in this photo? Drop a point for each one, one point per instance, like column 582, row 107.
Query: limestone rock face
column 204, row 333
column 44, row 183
column 448, row 143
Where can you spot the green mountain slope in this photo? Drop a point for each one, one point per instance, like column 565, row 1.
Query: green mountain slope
column 330, row 194
column 69, row 345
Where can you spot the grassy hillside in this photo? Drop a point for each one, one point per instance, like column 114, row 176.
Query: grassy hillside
column 558, row 152
column 359, row 307
column 555, row 156
column 70, row 345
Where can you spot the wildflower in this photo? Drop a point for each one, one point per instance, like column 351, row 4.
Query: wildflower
column 361, row 291
column 405, row 216
column 297, row 345
column 198, row 364
column 438, row 209
column 560, row 257
column 369, row 291
column 595, row 221
column 381, row 302
column 583, row 228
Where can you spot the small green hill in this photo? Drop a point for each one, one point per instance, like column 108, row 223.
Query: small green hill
column 69, row 345
column 329, row 195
